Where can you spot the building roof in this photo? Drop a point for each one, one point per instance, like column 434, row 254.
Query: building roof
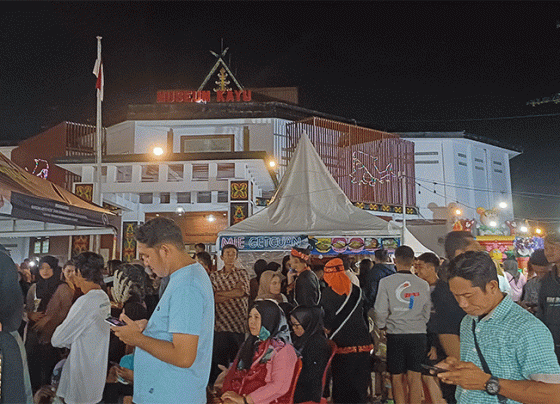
column 227, row 110
column 450, row 135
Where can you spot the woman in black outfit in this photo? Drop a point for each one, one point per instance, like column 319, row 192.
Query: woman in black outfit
column 310, row 341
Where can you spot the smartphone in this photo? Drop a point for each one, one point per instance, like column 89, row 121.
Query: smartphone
column 434, row 369
column 114, row 364
column 114, row 321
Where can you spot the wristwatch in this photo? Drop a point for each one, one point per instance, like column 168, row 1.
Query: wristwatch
column 493, row 386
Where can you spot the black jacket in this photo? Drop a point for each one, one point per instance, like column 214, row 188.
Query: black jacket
column 549, row 303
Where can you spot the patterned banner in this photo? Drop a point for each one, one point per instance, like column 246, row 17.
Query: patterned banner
column 80, row 244
column 239, row 190
column 128, row 242
column 238, row 211
column 84, row 191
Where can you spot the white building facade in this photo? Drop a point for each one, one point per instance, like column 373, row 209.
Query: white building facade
column 455, row 170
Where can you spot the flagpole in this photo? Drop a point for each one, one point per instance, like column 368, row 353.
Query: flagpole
column 98, row 146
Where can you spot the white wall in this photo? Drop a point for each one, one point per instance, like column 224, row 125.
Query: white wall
column 469, row 172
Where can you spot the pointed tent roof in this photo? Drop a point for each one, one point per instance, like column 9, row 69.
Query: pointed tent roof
column 309, row 201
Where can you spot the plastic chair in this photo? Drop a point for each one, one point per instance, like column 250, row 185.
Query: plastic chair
column 292, row 391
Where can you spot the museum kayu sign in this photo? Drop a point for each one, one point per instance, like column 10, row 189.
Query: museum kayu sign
column 184, row 96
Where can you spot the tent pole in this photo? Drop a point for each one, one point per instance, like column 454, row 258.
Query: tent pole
column 403, row 178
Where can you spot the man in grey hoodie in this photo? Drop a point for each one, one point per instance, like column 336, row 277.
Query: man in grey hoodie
column 402, row 308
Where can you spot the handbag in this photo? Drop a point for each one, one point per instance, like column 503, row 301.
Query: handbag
column 485, row 367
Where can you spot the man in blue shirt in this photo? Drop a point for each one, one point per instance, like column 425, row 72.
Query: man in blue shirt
column 174, row 350
column 507, row 354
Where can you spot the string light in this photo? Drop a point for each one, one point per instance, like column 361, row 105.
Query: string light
column 367, row 178
column 44, row 172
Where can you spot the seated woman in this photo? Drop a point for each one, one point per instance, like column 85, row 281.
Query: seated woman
column 264, row 367
column 270, row 286
column 311, row 342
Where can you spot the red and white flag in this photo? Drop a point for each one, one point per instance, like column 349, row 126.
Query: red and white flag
column 98, row 72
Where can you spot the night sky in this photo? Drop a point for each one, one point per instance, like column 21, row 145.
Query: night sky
column 397, row 66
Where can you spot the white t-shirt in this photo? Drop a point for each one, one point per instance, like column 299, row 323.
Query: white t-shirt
column 86, row 333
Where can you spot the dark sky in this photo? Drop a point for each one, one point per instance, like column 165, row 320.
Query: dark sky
column 399, row 66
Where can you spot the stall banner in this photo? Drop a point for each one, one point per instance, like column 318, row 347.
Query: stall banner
column 351, row 245
column 128, row 242
column 318, row 245
column 265, row 242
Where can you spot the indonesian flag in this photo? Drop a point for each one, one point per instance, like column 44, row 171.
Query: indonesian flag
column 98, row 72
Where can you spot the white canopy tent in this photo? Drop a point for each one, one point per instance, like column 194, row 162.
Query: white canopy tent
column 308, row 202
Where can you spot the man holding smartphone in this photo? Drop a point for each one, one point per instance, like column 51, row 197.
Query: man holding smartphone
column 174, row 349
column 507, row 354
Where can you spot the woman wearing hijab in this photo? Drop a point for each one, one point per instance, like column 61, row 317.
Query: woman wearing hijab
column 263, row 370
column 310, row 341
column 270, row 287
column 343, row 306
column 259, row 267
column 48, row 303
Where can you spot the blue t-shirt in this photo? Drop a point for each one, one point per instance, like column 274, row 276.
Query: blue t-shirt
column 186, row 307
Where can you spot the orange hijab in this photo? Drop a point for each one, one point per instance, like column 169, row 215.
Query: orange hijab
column 336, row 277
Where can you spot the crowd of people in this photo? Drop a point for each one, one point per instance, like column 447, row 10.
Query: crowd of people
column 174, row 328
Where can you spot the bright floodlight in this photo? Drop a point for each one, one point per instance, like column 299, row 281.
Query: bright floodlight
column 503, row 205
column 538, row 231
column 180, row 210
column 158, row 151
column 493, row 223
column 458, row 212
column 211, row 218
column 272, row 163
column 524, row 229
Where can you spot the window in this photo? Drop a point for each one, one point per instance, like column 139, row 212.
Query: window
column 497, row 163
column 41, row 246
column 223, row 196
column 206, row 143
column 462, row 164
column 183, row 197
column 498, row 171
column 165, row 197
column 174, row 173
column 124, row 173
column 426, row 153
column 150, row 173
column 428, row 162
column 462, row 155
column 200, row 172
column 204, row 197
column 146, row 198
column 225, row 171
column 479, row 160
column 479, row 168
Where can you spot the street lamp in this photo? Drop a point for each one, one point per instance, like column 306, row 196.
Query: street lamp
column 503, row 205
column 158, row 151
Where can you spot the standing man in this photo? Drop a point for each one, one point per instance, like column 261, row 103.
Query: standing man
column 231, row 293
column 306, row 289
column 507, row 355
column 549, row 294
column 402, row 307
column 16, row 385
column 174, row 350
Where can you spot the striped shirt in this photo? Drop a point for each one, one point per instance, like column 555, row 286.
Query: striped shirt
column 514, row 343
column 231, row 315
